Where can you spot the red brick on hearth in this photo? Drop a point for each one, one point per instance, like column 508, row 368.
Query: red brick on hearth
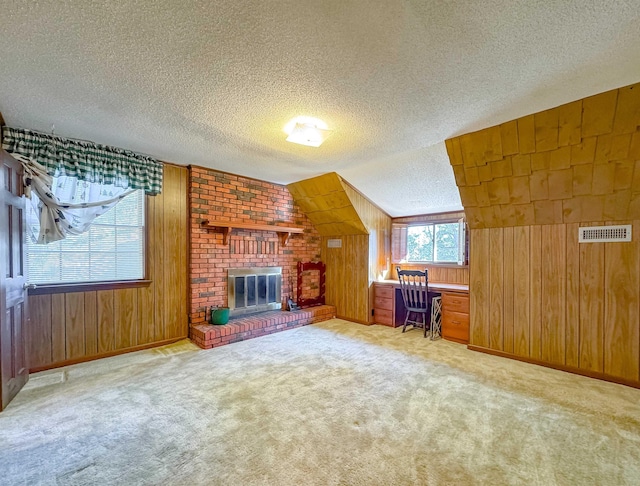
column 241, row 328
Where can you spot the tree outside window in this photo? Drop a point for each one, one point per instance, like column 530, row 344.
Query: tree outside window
column 436, row 243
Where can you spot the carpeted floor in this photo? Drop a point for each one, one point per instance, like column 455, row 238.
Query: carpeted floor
column 335, row 403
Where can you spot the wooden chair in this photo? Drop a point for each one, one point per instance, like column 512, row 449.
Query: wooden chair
column 413, row 285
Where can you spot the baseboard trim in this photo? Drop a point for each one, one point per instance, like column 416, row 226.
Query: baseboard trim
column 357, row 321
column 570, row 369
column 108, row 354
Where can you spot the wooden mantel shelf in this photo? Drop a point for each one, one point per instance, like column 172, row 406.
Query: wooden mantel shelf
column 284, row 232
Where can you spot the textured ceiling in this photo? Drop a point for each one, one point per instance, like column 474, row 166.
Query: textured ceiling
column 213, row 83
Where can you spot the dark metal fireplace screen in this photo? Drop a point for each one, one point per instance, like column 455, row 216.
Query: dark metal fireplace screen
column 254, row 290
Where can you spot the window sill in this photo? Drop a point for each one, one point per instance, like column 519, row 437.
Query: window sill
column 87, row 287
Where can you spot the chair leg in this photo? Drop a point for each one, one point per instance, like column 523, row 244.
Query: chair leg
column 425, row 316
column 424, row 321
column 406, row 320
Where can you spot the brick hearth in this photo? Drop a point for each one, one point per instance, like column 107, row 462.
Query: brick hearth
column 246, row 327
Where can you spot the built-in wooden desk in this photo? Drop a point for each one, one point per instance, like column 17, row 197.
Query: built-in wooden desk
column 389, row 310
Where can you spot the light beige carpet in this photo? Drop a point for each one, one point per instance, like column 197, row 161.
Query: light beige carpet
column 335, row 403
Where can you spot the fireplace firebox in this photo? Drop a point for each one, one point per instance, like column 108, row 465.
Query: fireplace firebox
column 253, row 290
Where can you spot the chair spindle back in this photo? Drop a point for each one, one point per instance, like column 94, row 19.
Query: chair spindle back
column 414, row 287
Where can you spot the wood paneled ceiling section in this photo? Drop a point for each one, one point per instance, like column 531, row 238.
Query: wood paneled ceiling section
column 325, row 202
column 578, row 162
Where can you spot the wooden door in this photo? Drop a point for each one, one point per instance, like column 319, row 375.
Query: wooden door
column 14, row 371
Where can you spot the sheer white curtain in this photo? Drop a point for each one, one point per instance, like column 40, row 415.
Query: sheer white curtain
column 76, row 181
column 66, row 205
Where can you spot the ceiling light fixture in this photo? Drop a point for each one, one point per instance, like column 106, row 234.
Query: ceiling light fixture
column 307, row 131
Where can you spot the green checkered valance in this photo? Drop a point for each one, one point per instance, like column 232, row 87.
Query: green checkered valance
column 85, row 160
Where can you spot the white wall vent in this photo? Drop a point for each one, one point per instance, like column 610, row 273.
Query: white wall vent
column 604, row 234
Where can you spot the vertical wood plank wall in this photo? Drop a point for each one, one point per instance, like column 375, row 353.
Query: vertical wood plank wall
column 352, row 269
column 527, row 185
column 378, row 223
column 437, row 273
column 76, row 326
column 538, row 294
column 347, row 279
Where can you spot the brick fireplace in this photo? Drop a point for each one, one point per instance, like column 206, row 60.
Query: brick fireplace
column 219, row 196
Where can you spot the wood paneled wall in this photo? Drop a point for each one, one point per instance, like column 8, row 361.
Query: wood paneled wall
column 77, row 326
column 347, row 280
column 338, row 211
column 362, row 259
column 538, row 294
column 526, row 186
column 378, row 224
column 437, row 273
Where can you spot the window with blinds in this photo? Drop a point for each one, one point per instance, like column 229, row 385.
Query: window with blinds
column 112, row 249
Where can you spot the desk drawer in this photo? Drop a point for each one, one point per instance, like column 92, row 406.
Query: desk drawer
column 455, row 302
column 382, row 316
column 455, row 326
column 383, row 303
column 385, row 291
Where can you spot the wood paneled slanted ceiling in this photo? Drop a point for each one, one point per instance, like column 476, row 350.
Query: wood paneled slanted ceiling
column 325, row 201
column 577, row 162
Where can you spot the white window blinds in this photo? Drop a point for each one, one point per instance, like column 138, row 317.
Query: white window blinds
column 112, row 249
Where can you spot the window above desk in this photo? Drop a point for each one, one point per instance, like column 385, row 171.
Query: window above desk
column 433, row 242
